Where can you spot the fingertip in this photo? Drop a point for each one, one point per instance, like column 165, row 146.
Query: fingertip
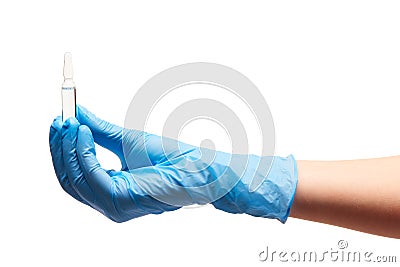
column 69, row 132
column 80, row 110
column 56, row 124
column 57, row 119
column 71, row 122
column 85, row 140
column 85, row 132
column 81, row 107
column 83, row 115
column 84, row 128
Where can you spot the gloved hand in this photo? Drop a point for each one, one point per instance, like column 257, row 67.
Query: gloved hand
column 160, row 174
column 113, row 193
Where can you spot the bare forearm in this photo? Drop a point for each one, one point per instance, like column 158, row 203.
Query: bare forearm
column 358, row 194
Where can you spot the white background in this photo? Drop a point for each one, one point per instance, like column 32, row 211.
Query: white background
column 328, row 70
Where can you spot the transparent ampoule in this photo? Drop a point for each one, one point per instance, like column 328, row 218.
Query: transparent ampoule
column 68, row 90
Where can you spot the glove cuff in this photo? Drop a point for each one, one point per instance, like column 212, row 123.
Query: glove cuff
column 274, row 195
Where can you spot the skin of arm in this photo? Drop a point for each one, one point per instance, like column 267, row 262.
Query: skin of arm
column 362, row 195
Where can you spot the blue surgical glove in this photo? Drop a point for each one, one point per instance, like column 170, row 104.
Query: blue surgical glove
column 160, row 174
column 113, row 193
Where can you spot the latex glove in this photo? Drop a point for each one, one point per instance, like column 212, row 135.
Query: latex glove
column 179, row 175
column 113, row 193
